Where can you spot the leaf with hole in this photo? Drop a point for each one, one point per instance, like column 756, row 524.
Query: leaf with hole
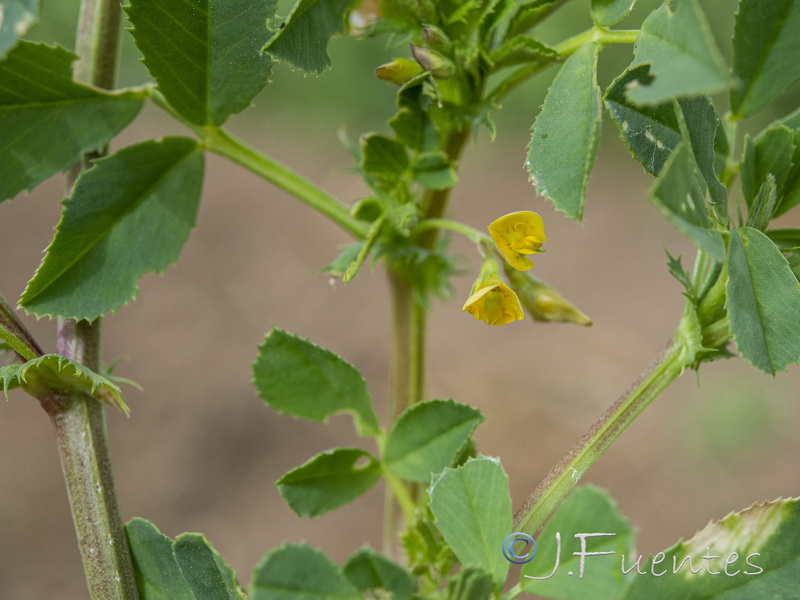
column 298, row 378
column 329, row 480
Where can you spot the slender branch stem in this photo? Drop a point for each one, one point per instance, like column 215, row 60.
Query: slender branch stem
column 467, row 231
column 223, row 143
column 586, row 451
column 564, row 49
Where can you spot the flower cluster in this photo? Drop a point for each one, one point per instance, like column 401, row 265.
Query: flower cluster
column 516, row 235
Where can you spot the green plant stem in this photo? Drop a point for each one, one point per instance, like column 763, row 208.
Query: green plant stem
column 80, row 426
column 567, row 47
column 470, row 233
column 79, row 420
column 221, row 142
column 565, row 475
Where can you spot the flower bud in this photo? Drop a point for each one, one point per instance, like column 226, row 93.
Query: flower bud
column 435, row 38
column 399, row 71
column 543, row 302
column 430, row 60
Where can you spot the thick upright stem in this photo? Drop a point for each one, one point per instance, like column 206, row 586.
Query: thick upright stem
column 79, row 420
column 80, row 425
column 408, row 352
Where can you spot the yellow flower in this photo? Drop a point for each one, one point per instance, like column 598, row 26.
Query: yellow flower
column 518, row 234
column 494, row 303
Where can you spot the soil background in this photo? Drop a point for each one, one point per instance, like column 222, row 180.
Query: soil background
column 201, row 452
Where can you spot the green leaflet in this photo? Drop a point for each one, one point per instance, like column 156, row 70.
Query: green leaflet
column 433, row 170
column 565, row 135
column 680, row 193
column 677, row 43
column 766, row 52
column 701, row 125
column 187, row 569
column 18, row 16
column 770, row 153
column 763, row 301
column 204, row 570
column 302, row 39
column 329, row 480
column 47, row 120
column 472, row 509
column 369, row 570
column 752, row 554
column 204, row 54
column 14, row 334
column 609, row 12
column 158, row 576
column 529, row 13
column 128, row 215
column 427, row 436
column 587, row 510
column 300, row 572
column 519, row 50
column 650, row 132
column 49, row 372
column 298, row 378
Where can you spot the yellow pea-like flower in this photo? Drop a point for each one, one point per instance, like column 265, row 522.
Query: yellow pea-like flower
column 493, row 302
column 517, row 235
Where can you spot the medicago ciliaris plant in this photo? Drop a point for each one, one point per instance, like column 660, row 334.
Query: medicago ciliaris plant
column 678, row 107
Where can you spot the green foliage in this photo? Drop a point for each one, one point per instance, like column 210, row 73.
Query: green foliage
column 298, row 378
column 329, row 480
column 53, row 374
column 684, row 60
column 651, row 132
column 565, row 135
column 204, row 570
column 18, row 16
column 204, row 55
column 187, row 569
column 771, row 153
column 47, row 120
column 766, row 52
column 609, row 12
column 754, row 553
column 300, row 572
column 700, row 125
column 369, row 570
column 302, row 39
column 680, row 193
column 586, row 510
column 472, row 509
column 426, row 437
column 130, row 214
column 763, row 301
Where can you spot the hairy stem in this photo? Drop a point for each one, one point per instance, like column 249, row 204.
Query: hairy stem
column 223, row 143
column 79, row 420
column 80, row 426
column 565, row 475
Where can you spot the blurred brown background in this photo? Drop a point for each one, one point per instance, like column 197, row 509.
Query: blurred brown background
column 200, row 451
